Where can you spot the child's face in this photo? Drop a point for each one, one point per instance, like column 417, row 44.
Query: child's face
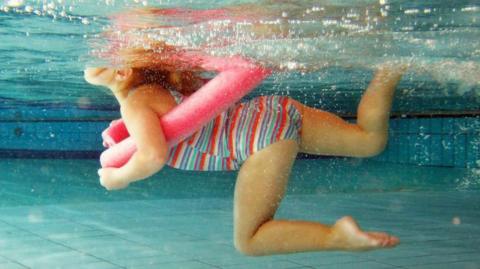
column 114, row 79
column 100, row 76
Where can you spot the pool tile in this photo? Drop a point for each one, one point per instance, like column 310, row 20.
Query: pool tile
column 93, row 265
column 67, row 236
column 435, row 259
column 178, row 265
column 324, row 258
column 453, row 265
column 236, row 258
column 11, row 265
column 401, row 252
column 270, row 264
column 197, row 232
column 29, row 246
column 113, row 251
column 460, row 150
column 137, row 262
column 155, row 237
column 68, row 258
column 358, row 265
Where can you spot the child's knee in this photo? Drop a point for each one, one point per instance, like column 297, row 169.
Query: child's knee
column 243, row 241
column 375, row 145
column 244, row 246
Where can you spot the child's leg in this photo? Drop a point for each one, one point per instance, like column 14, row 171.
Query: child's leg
column 260, row 187
column 324, row 133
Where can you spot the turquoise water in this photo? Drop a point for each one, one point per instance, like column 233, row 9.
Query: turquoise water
column 45, row 47
column 425, row 189
column 75, row 181
column 61, row 218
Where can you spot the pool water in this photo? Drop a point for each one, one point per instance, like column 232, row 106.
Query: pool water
column 59, row 217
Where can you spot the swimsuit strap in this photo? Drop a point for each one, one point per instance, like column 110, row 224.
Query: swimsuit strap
column 177, row 95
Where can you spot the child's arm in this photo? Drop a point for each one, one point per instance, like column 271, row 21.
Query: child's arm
column 142, row 122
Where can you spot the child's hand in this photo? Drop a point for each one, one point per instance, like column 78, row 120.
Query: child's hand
column 107, row 140
column 110, row 179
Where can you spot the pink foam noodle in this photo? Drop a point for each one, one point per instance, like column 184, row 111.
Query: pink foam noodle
column 237, row 77
column 116, row 132
column 118, row 154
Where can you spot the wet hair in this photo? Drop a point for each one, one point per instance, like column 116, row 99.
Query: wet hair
column 125, row 44
column 185, row 82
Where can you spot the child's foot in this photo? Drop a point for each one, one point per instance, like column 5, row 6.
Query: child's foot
column 351, row 237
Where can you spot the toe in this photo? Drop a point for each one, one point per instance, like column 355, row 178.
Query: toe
column 394, row 241
column 390, row 241
column 383, row 239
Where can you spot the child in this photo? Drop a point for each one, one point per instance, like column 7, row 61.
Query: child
column 264, row 164
column 260, row 138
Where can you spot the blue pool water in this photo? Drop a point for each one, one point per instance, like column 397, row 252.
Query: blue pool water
column 425, row 187
column 61, row 218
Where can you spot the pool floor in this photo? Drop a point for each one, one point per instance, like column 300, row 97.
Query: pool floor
column 136, row 229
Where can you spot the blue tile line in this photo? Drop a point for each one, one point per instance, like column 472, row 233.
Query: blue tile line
column 425, row 141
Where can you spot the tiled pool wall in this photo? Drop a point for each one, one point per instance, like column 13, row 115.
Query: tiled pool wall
column 435, row 141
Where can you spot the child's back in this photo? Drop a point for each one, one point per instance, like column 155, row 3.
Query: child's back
column 229, row 139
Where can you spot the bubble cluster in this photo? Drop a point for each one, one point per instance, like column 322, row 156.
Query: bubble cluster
column 56, row 10
column 437, row 40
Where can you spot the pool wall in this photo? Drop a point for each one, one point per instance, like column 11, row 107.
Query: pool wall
column 56, row 132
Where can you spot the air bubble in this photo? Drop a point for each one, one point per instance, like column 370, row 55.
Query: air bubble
column 35, row 216
column 383, row 13
column 470, row 9
column 14, row 3
column 411, row 11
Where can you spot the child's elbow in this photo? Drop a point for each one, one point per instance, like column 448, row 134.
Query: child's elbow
column 374, row 147
column 154, row 160
column 158, row 161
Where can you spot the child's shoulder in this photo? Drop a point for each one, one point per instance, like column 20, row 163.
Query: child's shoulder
column 154, row 96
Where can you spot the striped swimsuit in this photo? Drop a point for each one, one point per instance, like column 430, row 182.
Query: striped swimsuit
column 230, row 138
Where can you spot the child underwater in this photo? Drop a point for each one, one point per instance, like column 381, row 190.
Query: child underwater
column 261, row 138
